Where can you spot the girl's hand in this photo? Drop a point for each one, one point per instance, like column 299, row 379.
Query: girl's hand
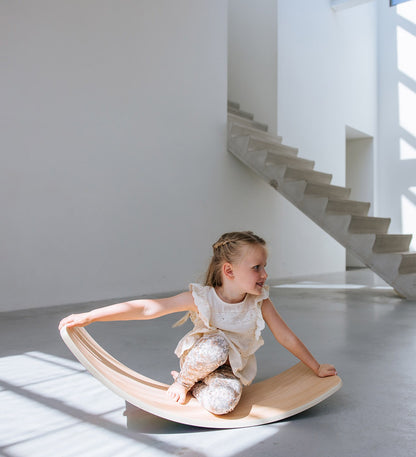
column 76, row 320
column 325, row 370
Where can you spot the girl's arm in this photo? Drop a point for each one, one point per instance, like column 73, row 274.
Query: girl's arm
column 132, row 310
column 285, row 336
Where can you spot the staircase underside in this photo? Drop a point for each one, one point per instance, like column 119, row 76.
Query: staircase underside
column 329, row 206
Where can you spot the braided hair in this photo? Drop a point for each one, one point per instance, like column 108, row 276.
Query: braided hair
column 228, row 249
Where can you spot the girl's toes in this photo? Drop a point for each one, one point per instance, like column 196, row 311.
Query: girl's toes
column 173, row 396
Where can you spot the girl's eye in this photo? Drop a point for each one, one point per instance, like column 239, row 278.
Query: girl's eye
column 256, row 267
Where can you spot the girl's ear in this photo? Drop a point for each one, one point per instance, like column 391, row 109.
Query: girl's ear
column 227, row 269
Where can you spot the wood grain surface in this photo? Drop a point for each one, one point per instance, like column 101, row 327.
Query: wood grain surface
column 273, row 399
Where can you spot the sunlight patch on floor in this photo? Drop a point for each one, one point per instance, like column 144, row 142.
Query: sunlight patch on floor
column 318, row 285
column 52, row 406
column 227, row 442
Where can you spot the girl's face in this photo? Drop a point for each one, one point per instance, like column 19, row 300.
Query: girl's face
column 249, row 272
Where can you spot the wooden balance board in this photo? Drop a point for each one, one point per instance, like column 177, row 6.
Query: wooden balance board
column 273, row 399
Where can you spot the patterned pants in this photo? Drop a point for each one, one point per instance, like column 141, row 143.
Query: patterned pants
column 205, row 372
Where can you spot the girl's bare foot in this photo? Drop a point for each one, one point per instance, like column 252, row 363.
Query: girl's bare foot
column 177, row 392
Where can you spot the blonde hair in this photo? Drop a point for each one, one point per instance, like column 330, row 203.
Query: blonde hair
column 228, row 249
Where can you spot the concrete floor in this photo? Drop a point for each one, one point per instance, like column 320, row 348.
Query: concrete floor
column 51, row 406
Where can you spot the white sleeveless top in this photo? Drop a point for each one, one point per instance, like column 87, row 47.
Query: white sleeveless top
column 240, row 323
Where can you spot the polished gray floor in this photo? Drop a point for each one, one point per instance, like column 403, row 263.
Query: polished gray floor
column 51, row 406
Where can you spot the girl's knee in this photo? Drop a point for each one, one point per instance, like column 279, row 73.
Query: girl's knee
column 221, row 400
column 214, row 347
column 219, row 392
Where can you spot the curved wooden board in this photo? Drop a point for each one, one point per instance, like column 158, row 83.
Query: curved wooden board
column 273, row 399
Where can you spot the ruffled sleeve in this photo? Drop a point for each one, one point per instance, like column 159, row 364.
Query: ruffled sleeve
column 258, row 303
column 200, row 295
column 201, row 319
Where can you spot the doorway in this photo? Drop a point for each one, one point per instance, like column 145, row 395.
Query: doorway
column 359, row 175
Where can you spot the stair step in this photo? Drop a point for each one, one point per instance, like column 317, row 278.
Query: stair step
column 368, row 224
column 234, row 105
column 310, row 176
column 239, row 112
column 256, row 143
column 391, row 243
column 347, row 207
column 247, row 122
column 292, row 161
column 327, row 190
column 239, row 129
column 408, row 263
column 327, row 205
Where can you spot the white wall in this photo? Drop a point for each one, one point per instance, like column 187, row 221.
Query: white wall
column 115, row 180
column 252, row 58
column 326, row 79
column 397, row 120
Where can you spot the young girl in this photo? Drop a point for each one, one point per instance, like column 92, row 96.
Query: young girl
column 228, row 313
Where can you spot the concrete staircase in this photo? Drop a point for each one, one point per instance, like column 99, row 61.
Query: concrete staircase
column 329, row 206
